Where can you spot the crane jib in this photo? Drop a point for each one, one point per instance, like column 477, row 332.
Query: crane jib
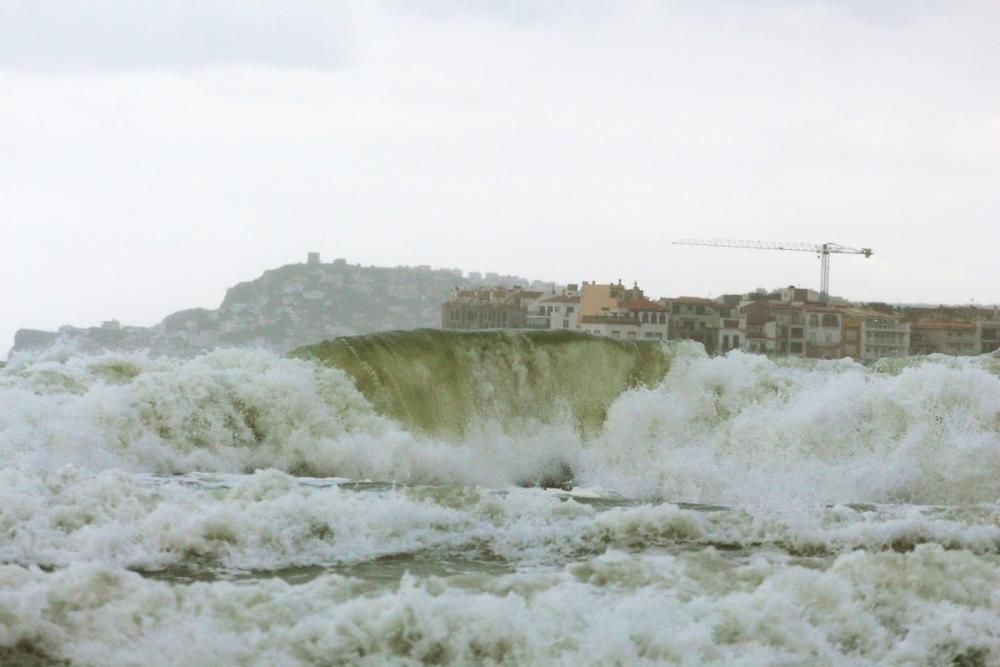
column 824, row 250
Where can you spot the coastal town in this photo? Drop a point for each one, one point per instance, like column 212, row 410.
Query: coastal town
column 786, row 322
column 306, row 302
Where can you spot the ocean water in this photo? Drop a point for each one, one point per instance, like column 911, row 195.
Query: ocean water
column 501, row 499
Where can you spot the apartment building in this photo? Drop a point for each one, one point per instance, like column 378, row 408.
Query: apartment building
column 870, row 334
column 783, row 322
column 638, row 320
column 774, row 328
column 557, row 311
column 597, row 298
column 694, row 318
column 487, row 308
column 823, row 331
column 884, row 335
column 754, row 317
column 952, row 314
column 989, row 337
column 619, row 312
column 944, row 337
column 787, row 329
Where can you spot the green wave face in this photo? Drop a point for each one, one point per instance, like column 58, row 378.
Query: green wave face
column 442, row 382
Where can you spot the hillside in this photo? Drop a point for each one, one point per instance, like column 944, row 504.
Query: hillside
column 296, row 304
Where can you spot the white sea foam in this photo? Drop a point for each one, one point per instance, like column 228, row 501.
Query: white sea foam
column 743, row 429
column 850, row 516
column 270, row 521
column 236, row 411
column 727, row 430
column 930, row 606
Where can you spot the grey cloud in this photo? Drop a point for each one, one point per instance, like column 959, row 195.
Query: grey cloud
column 124, row 34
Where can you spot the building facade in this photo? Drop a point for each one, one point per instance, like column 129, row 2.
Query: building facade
column 487, row 308
column 693, row 318
column 785, row 322
column 823, row 332
column 954, row 338
column 558, row 311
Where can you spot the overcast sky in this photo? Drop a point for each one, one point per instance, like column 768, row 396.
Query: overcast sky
column 154, row 153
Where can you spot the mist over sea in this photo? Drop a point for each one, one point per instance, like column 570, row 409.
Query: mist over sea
column 498, row 498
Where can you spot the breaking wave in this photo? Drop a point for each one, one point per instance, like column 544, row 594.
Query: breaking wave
column 444, row 382
column 502, row 409
column 359, row 503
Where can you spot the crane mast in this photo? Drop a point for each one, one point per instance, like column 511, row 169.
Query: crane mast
column 823, row 250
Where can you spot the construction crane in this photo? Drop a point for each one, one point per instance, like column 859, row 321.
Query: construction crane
column 822, row 250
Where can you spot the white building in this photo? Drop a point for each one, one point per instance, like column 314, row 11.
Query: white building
column 559, row 311
column 824, row 328
column 641, row 319
column 884, row 335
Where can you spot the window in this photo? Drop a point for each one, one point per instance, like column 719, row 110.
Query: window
column 796, row 347
column 700, row 310
column 631, row 334
column 645, row 317
column 814, row 320
column 569, row 309
column 663, row 318
column 736, row 341
column 616, row 334
column 796, row 332
column 565, row 324
column 830, row 320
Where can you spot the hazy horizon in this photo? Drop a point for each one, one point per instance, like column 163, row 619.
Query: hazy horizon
column 157, row 157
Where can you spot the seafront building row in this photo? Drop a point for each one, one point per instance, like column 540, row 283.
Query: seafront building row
column 791, row 321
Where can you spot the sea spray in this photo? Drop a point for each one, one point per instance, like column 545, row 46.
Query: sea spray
column 726, row 430
column 744, row 429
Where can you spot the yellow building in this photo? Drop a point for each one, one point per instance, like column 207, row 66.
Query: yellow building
column 598, row 299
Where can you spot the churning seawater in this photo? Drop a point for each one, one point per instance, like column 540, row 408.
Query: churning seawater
column 500, row 499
